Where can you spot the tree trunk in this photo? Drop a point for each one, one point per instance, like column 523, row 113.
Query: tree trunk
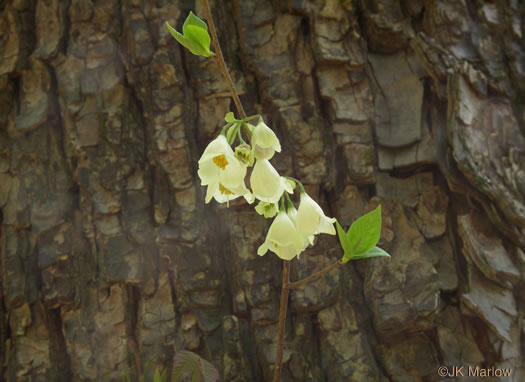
column 110, row 258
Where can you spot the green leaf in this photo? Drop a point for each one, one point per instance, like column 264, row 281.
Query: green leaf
column 201, row 38
column 156, row 375
column 374, row 252
column 229, row 117
column 193, row 20
column 183, row 363
column 124, row 375
column 365, row 232
column 189, row 363
column 192, row 46
column 195, row 36
column 196, row 375
column 209, row 372
column 345, row 242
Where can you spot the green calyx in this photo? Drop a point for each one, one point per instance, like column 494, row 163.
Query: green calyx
column 281, row 206
column 234, row 128
column 244, row 153
column 268, row 210
column 290, row 205
column 194, row 36
column 231, row 133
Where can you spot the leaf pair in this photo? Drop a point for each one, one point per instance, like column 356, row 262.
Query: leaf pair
column 195, row 36
column 188, row 363
column 362, row 236
column 160, row 376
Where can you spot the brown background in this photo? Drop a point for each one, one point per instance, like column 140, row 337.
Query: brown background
column 107, row 247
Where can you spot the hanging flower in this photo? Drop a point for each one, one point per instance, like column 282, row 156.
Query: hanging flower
column 311, row 219
column 222, row 172
column 264, row 141
column 292, row 214
column 266, row 183
column 282, row 238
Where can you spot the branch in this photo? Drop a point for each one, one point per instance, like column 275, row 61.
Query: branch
column 315, row 276
column 220, row 61
column 282, row 318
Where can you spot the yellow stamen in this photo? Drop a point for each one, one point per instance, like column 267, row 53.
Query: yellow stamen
column 220, row 161
column 226, row 192
column 275, row 245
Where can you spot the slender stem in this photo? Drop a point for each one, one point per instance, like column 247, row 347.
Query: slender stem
column 251, row 117
column 220, row 61
column 239, row 134
column 282, row 319
column 315, row 276
column 286, row 264
column 247, row 130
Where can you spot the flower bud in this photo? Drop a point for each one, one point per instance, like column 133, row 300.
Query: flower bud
column 244, row 154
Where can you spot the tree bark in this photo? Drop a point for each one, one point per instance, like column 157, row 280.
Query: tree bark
column 110, row 258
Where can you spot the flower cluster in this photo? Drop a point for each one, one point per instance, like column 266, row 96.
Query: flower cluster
column 224, row 170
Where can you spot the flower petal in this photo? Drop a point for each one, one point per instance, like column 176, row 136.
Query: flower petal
column 326, row 225
column 286, row 185
column 266, row 182
column 216, row 147
column 233, row 174
column 262, row 249
column 208, row 172
column 222, row 198
column 285, row 253
column 249, row 197
column 308, row 217
column 282, row 231
column 265, row 137
column 210, row 192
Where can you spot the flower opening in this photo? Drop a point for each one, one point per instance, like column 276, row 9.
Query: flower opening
column 220, row 161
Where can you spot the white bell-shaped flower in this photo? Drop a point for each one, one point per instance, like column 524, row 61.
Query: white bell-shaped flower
column 282, row 239
column 265, row 142
column 311, row 220
column 222, row 172
column 266, row 183
column 291, row 211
